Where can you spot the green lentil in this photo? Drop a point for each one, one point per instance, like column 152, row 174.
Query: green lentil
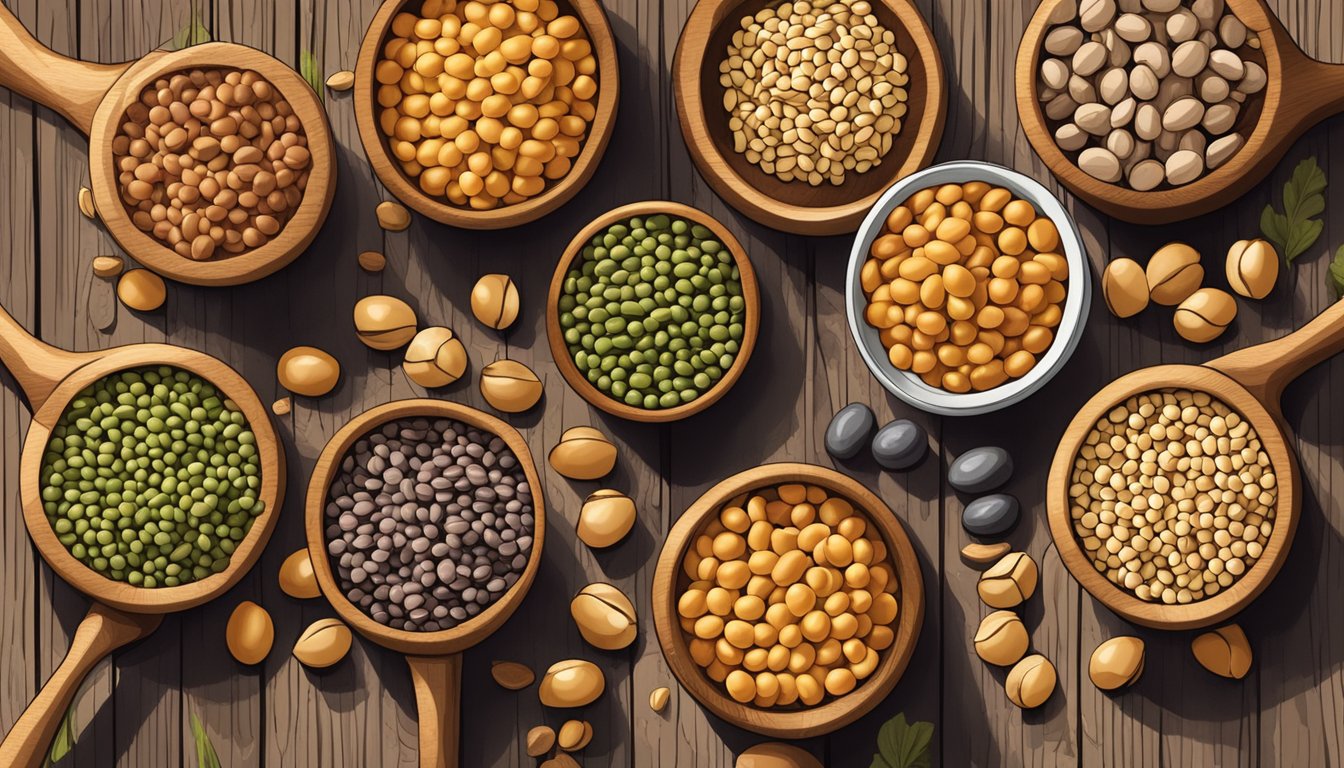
column 152, row 477
column 652, row 311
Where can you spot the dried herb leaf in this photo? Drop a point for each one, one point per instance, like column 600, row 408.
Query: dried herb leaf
column 1336, row 273
column 63, row 741
column 1295, row 230
column 312, row 72
column 194, row 33
column 903, row 745
column 206, row 757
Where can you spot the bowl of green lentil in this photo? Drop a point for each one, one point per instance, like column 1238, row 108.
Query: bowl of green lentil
column 653, row 311
column 118, row 435
column 151, row 474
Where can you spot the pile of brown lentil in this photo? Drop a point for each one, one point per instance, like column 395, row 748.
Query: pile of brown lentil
column 211, row 160
column 1173, row 496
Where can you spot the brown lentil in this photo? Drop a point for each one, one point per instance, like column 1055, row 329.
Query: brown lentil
column 211, row 162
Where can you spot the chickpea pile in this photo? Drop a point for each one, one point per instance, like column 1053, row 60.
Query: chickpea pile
column 791, row 597
column 1173, row 496
column 965, row 285
column 484, row 102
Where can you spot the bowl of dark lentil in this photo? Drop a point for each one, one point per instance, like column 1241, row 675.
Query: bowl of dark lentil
column 152, row 477
column 653, row 311
column 425, row 523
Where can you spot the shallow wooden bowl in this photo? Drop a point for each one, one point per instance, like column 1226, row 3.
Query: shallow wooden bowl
column 94, row 97
column 1251, row 382
column 1301, row 92
column 435, row 658
column 121, row 613
column 407, row 190
column 50, row 390
column 796, row 206
column 556, row 335
column 791, row 723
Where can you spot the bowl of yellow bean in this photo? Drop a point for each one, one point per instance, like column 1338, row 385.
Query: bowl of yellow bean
column 486, row 115
column 968, row 288
column 788, row 600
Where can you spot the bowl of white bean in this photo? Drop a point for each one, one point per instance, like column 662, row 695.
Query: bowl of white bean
column 800, row 113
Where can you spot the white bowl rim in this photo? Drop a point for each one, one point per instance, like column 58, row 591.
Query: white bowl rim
column 1077, row 302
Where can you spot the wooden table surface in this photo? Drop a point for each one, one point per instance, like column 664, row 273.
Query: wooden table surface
column 137, row 708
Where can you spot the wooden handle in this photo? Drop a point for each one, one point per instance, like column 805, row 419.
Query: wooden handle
column 37, row 366
column 438, row 686
column 1265, row 369
column 1328, row 82
column 72, row 87
column 101, row 632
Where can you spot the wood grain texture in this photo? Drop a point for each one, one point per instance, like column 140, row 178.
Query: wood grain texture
column 362, row 712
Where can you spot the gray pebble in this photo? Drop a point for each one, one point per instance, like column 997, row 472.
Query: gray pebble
column 980, row 469
column 849, row 430
column 992, row 515
column 900, row 444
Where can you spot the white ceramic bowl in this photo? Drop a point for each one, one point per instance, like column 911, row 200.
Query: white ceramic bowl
column 909, row 387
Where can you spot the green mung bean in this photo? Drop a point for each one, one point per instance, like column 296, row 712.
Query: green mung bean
column 652, row 311
column 152, row 477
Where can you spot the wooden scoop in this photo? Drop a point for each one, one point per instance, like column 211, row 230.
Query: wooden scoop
column 435, row 658
column 1250, row 381
column 1300, row 93
column 121, row 613
column 94, row 98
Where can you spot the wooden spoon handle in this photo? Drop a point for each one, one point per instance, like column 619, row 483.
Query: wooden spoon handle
column 1265, row 369
column 37, row 366
column 438, row 686
column 72, row 87
column 1327, row 80
column 101, row 632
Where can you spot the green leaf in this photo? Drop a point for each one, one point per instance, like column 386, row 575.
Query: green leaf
column 1295, row 230
column 194, row 33
column 63, row 741
column 903, row 745
column 206, row 757
column 1336, row 273
column 312, row 72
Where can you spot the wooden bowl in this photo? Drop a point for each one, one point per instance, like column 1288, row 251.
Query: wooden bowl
column 792, row 723
column 1301, row 92
column 556, row 194
column 556, row 336
column 796, row 206
column 51, row 392
column 435, row 658
column 94, row 97
column 121, row 613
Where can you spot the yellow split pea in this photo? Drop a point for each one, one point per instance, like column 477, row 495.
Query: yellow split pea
column 965, row 286
column 792, row 597
column 483, row 103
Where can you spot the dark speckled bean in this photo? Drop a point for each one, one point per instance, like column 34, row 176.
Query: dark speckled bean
column 428, row 523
